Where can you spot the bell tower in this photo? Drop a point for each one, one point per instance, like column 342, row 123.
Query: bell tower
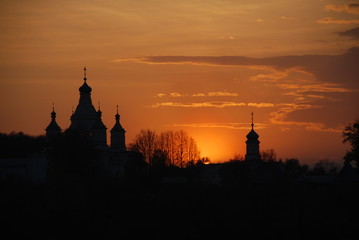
column 118, row 135
column 252, row 148
column 53, row 129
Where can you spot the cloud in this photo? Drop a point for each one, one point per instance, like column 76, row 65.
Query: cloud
column 273, row 76
column 237, row 126
column 214, row 104
column 353, row 33
column 323, row 88
column 175, row 95
column 280, row 117
column 199, row 95
column 160, row 95
column 215, row 94
column 352, row 8
column 340, row 69
column 260, row 105
column 327, row 20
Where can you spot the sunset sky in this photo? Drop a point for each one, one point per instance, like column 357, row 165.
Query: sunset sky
column 198, row 65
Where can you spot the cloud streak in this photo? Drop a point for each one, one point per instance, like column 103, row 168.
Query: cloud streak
column 280, row 117
column 328, row 20
column 216, row 94
column 353, row 33
column 322, row 88
column 340, row 69
column 212, row 104
column 233, row 125
column 352, row 8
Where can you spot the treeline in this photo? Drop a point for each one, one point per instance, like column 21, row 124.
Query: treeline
column 293, row 168
column 19, row 145
column 169, row 148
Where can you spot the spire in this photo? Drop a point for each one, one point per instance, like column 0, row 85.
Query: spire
column 53, row 113
column 252, row 134
column 118, row 135
column 117, row 127
column 252, row 121
column 252, row 145
column 85, row 78
column 85, row 88
column 117, row 116
column 53, row 128
column 85, row 114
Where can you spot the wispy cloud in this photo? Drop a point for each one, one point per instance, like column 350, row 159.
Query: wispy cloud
column 280, row 117
column 214, row 104
column 352, row 8
column 353, row 33
column 174, row 94
column 323, row 88
column 342, row 68
column 233, row 125
column 260, row 105
column 273, row 76
column 160, row 95
column 215, row 94
column 328, row 20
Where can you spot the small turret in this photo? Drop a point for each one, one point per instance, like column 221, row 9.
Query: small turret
column 252, row 148
column 118, row 135
column 53, row 129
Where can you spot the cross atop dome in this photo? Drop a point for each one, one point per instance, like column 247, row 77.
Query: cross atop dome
column 252, row 148
column 85, row 74
column 85, row 88
column 252, row 121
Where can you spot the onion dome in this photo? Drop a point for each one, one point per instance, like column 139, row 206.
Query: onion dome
column 85, row 88
column 252, row 135
column 117, row 127
column 53, row 128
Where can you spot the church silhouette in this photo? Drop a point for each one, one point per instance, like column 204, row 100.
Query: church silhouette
column 85, row 120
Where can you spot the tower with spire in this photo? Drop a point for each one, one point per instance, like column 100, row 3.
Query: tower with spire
column 53, row 129
column 85, row 114
column 252, row 145
column 87, row 120
column 118, row 135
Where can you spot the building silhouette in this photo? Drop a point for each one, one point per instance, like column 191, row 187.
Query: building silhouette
column 53, row 130
column 86, row 121
column 252, row 145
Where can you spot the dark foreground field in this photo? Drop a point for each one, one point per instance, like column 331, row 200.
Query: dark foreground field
column 118, row 210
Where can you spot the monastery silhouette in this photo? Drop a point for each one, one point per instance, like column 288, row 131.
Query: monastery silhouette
column 87, row 121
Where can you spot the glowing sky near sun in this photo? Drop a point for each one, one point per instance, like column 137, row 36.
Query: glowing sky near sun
column 201, row 66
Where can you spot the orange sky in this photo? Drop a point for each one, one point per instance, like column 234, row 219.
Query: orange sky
column 201, row 66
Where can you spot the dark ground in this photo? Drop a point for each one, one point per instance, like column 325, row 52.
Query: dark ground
column 118, row 210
